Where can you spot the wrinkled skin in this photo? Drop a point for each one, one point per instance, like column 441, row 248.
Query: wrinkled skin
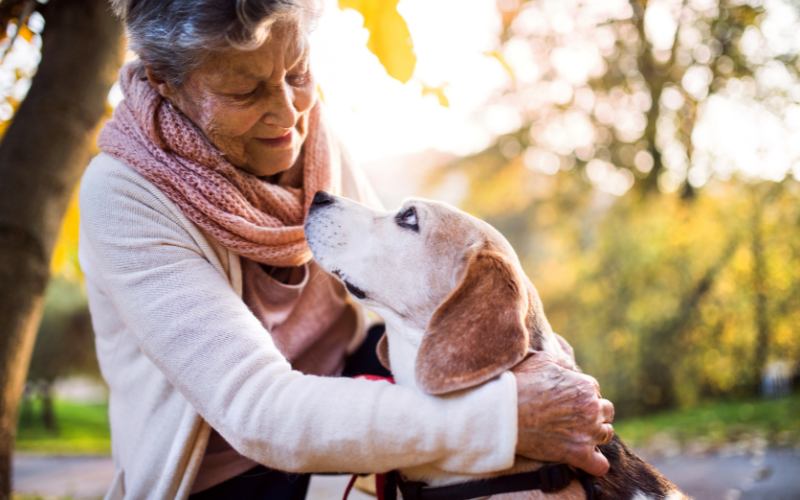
column 243, row 100
column 561, row 414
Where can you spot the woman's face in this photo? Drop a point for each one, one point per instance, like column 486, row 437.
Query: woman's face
column 253, row 105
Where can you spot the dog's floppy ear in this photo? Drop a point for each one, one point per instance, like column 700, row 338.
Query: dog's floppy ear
column 479, row 330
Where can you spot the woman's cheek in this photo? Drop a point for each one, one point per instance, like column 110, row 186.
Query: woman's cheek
column 228, row 128
column 306, row 96
column 227, row 119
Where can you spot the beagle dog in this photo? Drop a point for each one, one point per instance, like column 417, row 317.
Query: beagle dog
column 459, row 311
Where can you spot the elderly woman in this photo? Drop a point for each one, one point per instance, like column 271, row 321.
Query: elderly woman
column 220, row 339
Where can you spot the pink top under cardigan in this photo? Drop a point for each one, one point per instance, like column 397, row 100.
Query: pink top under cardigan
column 312, row 322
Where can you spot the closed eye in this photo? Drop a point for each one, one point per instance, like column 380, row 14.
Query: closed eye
column 408, row 219
column 245, row 95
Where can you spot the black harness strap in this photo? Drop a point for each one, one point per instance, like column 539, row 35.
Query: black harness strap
column 548, row 479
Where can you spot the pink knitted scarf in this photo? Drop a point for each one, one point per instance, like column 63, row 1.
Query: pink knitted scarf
column 250, row 216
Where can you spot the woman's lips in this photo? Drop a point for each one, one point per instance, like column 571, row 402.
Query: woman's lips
column 278, row 141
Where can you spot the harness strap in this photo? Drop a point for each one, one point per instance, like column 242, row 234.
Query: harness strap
column 591, row 485
column 548, row 479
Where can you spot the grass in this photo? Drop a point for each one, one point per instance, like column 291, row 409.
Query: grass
column 717, row 425
column 83, row 429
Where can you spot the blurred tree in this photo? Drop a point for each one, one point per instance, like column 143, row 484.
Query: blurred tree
column 616, row 88
column 42, row 155
column 617, row 139
column 64, row 343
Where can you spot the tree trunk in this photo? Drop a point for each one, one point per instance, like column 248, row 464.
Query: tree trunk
column 656, row 76
column 763, row 336
column 660, row 348
column 48, row 412
column 42, row 155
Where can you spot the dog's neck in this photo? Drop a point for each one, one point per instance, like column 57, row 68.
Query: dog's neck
column 404, row 342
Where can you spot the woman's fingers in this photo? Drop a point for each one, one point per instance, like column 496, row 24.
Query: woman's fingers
column 607, row 411
column 565, row 345
column 592, row 382
column 534, row 362
column 605, row 434
column 593, row 462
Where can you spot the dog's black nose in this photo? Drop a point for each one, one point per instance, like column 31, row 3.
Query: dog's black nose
column 322, row 198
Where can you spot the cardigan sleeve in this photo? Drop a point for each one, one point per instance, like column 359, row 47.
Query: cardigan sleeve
column 194, row 328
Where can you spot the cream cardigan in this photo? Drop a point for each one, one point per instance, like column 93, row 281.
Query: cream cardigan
column 181, row 353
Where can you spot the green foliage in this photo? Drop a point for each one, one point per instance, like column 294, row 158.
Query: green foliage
column 83, row 430
column 667, row 302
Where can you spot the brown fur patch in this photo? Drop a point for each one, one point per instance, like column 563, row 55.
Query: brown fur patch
column 630, row 475
column 479, row 330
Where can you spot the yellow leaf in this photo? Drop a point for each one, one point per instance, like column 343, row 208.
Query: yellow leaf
column 26, row 33
column 389, row 38
column 438, row 92
column 502, row 61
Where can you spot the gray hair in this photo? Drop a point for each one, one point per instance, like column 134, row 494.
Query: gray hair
column 172, row 37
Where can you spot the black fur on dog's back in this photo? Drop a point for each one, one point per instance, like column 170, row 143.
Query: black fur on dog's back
column 630, row 475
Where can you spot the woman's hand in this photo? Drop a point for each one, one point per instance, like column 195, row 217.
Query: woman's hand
column 561, row 415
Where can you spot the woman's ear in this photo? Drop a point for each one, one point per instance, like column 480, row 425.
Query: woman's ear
column 163, row 87
column 479, row 330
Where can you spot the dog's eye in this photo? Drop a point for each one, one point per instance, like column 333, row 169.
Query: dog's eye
column 408, row 219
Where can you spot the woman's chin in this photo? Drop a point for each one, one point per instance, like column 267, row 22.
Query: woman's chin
column 270, row 164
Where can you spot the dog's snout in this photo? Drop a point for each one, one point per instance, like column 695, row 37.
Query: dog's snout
column 322, row 198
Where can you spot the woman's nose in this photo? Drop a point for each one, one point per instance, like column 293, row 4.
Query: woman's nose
column 281, row 111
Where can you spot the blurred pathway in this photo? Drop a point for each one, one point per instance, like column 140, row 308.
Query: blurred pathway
column 774, row 475
column 79, row 477
column 89, row 478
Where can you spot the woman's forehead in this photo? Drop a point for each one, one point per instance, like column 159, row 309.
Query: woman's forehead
column 283, row 50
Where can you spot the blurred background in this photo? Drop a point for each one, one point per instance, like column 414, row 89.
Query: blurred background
column 642, row 157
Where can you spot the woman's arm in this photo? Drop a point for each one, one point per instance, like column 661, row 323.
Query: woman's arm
column 191, row 324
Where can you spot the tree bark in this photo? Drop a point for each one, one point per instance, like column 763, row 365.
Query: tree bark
column 42, row 156
column 763, row 333
column 658, row 350
column 48, row 410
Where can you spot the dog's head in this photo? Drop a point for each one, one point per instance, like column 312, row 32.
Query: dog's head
column 440, row 270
